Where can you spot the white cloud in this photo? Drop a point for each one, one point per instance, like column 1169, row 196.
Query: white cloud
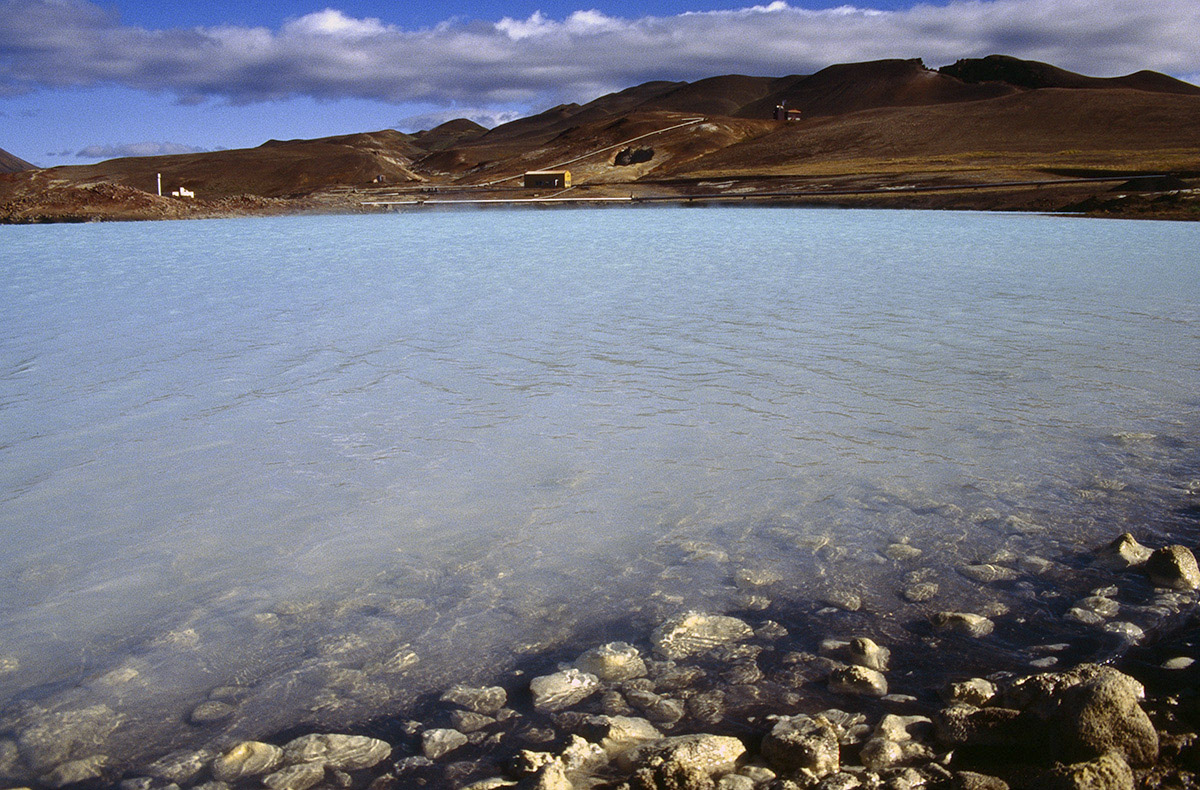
column 538, row 61
column 136, row 149
column 484, row 116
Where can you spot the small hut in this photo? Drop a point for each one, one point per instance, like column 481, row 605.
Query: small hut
column 548, row 179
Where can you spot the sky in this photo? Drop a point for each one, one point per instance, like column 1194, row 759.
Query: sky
column 82, row 81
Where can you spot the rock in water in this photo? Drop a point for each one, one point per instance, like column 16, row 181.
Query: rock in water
column 477, row 700
column 1124, row 552
column 296, row 777
column 562, row 689
column 858, row 681
column 347, row 752
column 803, row 744
column 972, row 625
column 986, row 573
column 437, row 743
column 249, row 758
column 865, row 653
column 615, row 661
column 975, row 691
column 694, row 632
column 76, row 771
column 1174, row 567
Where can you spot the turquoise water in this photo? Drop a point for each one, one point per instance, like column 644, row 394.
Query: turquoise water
column 277, row 452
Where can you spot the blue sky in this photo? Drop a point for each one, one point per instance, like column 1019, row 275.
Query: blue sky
column 83, row 81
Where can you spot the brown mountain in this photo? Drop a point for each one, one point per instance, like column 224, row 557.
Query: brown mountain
column 277, row 168
column 1032, row 74
column 11, row 164
column 882, row 122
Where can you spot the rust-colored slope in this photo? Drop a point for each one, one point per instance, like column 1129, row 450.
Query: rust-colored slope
column 853, row 87
column 1033, row 74
column 1047, row 125
column 274, row 169
column 12, row 164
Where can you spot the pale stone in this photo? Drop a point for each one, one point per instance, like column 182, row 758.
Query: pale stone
column 709, row 755
column 347, row 752
column 75, row 771
column 972, row 625
column 919, row 592
column 210, row 711
column 1124, row 552
column 1174, row 567
column 249, row 758
column 879, row 754
column 479, row 700
column 563, row 689
column 694, row 632
column 975, row 691
column 296, row 777
column 803, row 743
column 858, row 681
column 613, row 662
column 986, row 573
column 437, row 743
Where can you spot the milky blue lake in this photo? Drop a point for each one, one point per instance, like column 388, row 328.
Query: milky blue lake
column 336, row 462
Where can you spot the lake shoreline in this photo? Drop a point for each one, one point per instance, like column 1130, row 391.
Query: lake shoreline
column 1087, row 197
column 741, row 701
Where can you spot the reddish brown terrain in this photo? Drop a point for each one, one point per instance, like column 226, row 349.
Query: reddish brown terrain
column 990, row 133
column 11, row 164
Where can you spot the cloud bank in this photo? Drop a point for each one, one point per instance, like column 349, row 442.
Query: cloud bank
column 136, row 149
column 51, row 44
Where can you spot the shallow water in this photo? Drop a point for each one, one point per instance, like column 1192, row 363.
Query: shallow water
column 289, row 455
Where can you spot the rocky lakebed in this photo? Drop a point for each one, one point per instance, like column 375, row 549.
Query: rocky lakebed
column 743, row 701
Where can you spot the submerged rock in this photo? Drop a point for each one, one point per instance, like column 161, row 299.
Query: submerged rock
column 76, row 771
column 859, row 681
column 615, row 661
column 563, row 689
column 972, row 625
column 486, row 700
column 249, row 758
column 347, row 752
column 56, row 738
column 861, row 651
column 902, row 552
column 210, row 711
column 919, row 592
column 976, row 691
column 694, row 632
column 296, row 777
column 987, row 573
column 437, row 743
column 1124, row 552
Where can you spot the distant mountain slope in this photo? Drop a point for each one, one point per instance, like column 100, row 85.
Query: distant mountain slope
column 1035, row 126
column 1034, row 75
column 450, row 133
column 977, row 114
column 12, row 164
column 851, row 87
column 277, row 168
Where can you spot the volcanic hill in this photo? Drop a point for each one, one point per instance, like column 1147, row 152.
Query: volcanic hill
column 11, row 164
column 894, row 128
